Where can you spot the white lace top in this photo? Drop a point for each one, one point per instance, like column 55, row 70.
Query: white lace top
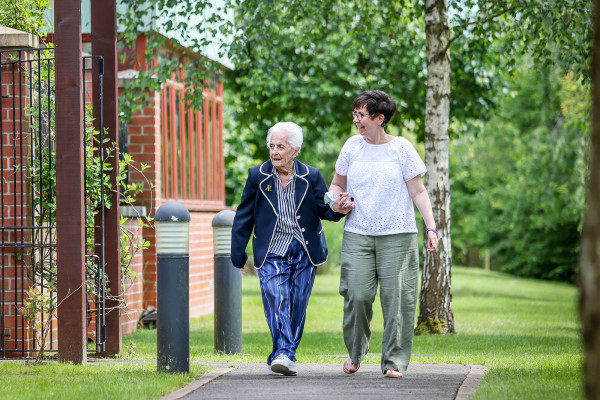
column 376, row 176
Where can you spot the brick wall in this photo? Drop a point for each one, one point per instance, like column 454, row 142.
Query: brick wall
column 14, row 253
column 144, row 145
column 133, row 286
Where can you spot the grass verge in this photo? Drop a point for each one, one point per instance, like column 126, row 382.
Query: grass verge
column 106, row 380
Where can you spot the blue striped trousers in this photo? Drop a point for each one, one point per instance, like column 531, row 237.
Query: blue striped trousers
column 286, row 283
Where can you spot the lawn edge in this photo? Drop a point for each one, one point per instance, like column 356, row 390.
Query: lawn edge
column 197, row 384
column 467, row 389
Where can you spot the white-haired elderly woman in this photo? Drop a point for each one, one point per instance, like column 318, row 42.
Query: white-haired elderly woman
column 283, row 203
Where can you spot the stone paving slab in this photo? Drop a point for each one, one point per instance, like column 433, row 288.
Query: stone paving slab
column 327, row 381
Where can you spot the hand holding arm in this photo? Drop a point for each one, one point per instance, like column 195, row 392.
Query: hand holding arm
column 343, row 202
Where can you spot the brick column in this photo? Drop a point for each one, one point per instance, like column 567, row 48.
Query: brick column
column 15, row 151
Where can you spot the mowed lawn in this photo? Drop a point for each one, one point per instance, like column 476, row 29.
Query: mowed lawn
column 525, row 331
column 108, row 380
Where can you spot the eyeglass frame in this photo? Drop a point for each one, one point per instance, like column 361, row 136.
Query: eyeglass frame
column 358, row 115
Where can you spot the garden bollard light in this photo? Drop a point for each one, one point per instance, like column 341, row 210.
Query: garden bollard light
column 228, row 288
column 172, row 258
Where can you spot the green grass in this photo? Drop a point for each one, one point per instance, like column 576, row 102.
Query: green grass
column 107, row 380
column 525, row 331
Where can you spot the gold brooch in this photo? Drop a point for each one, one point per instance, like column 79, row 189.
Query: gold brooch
column 268, row 188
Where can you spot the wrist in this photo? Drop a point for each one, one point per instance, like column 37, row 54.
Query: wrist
column 433, row 230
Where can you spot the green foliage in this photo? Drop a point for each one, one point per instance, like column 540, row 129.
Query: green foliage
column 139, row 17
column 37, row 302
column 25, row 15
column 518, row 188
column 305, row 61
column 555, row 33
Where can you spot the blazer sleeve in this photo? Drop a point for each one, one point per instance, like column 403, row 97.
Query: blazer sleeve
column 243, row 223
column 319, row 189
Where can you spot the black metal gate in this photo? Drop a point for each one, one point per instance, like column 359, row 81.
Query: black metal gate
column 28, row 205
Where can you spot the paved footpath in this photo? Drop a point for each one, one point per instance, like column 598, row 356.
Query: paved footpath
column 245, row 381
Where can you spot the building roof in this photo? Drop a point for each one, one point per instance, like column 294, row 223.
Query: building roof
column 156, row 23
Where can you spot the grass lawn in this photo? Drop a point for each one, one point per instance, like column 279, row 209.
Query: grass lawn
column 107, row 380
column 525, row 331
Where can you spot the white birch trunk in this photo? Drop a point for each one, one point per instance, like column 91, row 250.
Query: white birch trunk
column 589, row 275
column 435, row 298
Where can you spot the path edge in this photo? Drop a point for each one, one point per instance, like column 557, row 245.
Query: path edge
column 198, row 383
column 467, row 389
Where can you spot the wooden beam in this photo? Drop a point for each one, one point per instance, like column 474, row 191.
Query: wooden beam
column 104, row 44
column 72, row 327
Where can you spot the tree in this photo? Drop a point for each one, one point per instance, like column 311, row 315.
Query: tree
column 25, row 15
column 533, row 27
column 589, row 281
column 435, row 313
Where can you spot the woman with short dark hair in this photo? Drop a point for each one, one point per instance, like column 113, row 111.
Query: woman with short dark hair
column 380, row 177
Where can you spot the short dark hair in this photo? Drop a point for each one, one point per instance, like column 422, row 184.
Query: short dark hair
column 377, row 102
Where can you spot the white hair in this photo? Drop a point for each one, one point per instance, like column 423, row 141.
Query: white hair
column 294, row 134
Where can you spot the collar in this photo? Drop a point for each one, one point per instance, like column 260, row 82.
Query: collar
column 300, row 170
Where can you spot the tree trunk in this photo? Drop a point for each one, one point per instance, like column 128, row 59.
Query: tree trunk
column 435, row 311
column 589, row 276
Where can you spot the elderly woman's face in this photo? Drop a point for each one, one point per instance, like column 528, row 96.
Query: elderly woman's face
column 281, row 152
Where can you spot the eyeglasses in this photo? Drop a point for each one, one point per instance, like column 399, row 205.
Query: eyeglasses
column 357, row 115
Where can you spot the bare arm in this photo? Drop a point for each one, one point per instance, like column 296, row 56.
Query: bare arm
column 419, row 196
column 338, row 184
column 342, row 203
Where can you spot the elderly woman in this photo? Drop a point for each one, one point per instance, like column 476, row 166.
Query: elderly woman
column 382, row 176
column 283, row 202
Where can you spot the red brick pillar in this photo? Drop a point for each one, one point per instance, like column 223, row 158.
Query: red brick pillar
column 14, row 200
column 144, row 147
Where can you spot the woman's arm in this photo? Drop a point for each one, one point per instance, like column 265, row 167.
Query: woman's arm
column 419, row 196
column 338, row 184
column 342, row 202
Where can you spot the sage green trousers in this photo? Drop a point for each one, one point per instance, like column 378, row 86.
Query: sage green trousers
column 392, row 262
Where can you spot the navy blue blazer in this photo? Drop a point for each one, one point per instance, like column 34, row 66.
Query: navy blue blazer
column 258, row 210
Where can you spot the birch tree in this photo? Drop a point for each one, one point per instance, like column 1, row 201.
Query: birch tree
column 435, row 299
column 554, row 32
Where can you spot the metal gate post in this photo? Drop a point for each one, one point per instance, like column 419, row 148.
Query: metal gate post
column 72, row 327
column 228, row 288
column 104, row 44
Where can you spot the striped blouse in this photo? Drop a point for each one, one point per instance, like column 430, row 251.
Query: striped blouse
column 287, row 227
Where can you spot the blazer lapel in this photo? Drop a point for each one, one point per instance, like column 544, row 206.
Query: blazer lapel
column 301, row 183
column 267, row 186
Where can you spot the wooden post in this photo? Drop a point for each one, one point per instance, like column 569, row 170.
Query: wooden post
column 72, row 329
column 104, row 43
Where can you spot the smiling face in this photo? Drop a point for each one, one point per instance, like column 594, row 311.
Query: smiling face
column 366, row 125
column 281, row 152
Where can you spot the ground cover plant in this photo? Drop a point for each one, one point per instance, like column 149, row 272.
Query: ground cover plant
column 525, row 331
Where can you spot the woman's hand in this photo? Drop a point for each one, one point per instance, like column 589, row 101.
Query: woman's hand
column 432, row 240
column 343, row 203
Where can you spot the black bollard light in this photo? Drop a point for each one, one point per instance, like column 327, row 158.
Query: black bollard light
column 173, row 315
column 228, row 288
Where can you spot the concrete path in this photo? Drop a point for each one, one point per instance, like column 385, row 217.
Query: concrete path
column 328, row 381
